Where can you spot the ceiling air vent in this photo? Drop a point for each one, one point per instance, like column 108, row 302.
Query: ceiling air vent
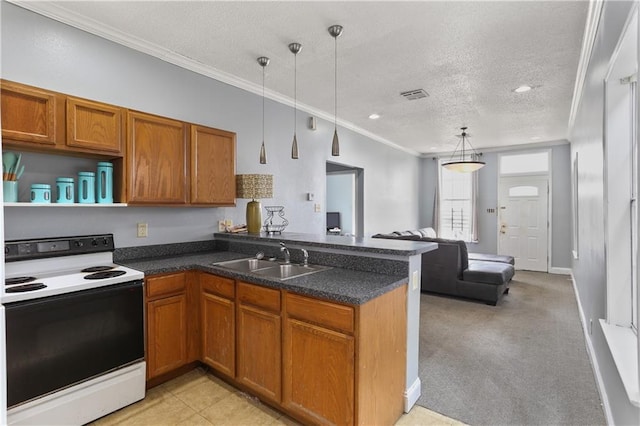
column 412, row 95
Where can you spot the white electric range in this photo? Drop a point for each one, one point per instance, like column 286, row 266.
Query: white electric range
column 74, row 330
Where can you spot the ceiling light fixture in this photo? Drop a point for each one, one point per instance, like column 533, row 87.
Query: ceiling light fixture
column 522, row 89
column 295, row 48
column 335, row 31
column 374, row 116
column 263, row 61
column 462, row 165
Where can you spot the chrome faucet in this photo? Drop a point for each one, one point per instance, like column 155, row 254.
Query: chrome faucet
column 287, row 255
column 306, row 257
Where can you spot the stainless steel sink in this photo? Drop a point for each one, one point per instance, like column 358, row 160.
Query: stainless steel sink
column 285, row 271
column 270, row 268
column 247, row 265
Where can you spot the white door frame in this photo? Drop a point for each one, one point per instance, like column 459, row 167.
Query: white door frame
column 549, row 175
column 538, row 181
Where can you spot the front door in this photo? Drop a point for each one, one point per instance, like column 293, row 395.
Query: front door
column 523, row 221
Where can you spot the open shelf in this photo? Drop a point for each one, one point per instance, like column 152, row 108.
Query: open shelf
column 64, row 205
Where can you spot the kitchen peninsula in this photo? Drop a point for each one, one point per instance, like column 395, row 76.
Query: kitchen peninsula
column 339, row 345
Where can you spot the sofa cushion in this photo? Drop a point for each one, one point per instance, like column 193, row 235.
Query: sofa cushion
column 427, row 232
column 492, row 258
column 496, row 273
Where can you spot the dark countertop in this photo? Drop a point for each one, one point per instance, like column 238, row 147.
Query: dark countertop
column 366, row 246
column 337, row 284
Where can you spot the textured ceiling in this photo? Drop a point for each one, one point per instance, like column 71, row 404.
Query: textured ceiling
column 469, row 56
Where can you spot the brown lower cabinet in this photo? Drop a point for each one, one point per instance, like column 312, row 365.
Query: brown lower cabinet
column 320, row 361
column 259, row 340
column 218, row 323
column 171, row 322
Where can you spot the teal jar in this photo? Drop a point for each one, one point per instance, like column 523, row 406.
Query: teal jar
column 105, row 182
column 86, row 187
column 40, row 193
column 65, row 191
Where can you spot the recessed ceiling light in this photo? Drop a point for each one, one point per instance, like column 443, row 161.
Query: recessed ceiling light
column 522, row 89
column 374, row 116
column 535, row 138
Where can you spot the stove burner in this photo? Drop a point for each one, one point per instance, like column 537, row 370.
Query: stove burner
column 25, row 287
column 104, row 274
column 98, row 268
column 18, row 280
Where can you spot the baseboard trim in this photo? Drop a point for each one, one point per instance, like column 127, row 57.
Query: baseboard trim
column 411, row 395
column 560, row 271
column 591, row 353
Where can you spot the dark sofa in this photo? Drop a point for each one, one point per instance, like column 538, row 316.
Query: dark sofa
column 451, row 270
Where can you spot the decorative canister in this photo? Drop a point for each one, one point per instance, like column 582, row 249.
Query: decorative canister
column 40, row 193
column 86, row 187
column 65, row 189
column 105, row 182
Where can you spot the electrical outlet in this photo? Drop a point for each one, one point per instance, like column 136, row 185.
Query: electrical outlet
column 221, row 227
column 415, row 280
column 228, row 223
column 316, row 208
column 143, row 230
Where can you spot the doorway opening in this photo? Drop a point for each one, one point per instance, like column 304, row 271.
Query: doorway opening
column 345, row 186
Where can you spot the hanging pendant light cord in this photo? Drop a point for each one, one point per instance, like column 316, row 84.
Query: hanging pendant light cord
column 335, row 83
column 263, row 104
column 295, row 92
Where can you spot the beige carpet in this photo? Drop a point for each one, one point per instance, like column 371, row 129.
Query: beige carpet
column 523, row 362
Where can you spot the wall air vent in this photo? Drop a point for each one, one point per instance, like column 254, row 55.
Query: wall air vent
column 412, row 95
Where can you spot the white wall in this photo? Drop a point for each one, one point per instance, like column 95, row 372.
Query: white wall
column 589, row 270
column 41, row 52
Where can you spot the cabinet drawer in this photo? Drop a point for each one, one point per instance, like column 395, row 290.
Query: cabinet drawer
column 263, row 297
column 217, row 285
column 327, row 314
column 165, row 284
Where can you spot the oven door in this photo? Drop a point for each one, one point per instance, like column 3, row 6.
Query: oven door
column 57, row 341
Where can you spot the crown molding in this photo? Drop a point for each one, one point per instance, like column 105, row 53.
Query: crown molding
column 521, row 147
column 588, row 41
column 58, row 13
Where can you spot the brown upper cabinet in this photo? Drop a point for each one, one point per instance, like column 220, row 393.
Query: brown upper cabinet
column 94, row 125
column 213, row 166
column 29, row 115
column 35, row 119
column 156, row 160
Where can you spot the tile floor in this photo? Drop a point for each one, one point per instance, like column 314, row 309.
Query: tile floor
column 198, row 398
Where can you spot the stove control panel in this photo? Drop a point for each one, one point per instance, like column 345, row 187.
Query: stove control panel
column 39, row 248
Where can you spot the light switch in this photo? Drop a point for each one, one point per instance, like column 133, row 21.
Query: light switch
column 316, row 208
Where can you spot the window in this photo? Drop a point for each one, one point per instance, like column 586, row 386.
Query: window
column 532, row 163
column 456, row 206
column 620, row 328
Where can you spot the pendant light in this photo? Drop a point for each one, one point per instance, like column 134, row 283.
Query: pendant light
column 335, row 31
column 263, row 61
column 295, row 48
column 462, row 165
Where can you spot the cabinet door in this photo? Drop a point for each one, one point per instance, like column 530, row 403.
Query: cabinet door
column 259, row 353
column 218, row 333
column 94, row 126
column 166, row 334
column 213, row 166
column 318, row 373
column 29, row 114
column 156, row 159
